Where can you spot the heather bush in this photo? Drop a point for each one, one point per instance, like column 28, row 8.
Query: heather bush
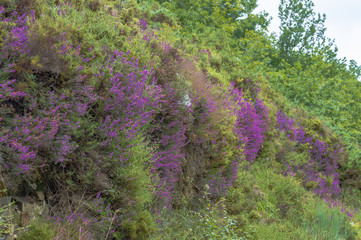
column 322, row 165
column 212, row 126
column 251, row 125
column 13, row 45
column 82, row 218
column 114, row 99
column 13, row 34
column 209, row 113
column 54, row 127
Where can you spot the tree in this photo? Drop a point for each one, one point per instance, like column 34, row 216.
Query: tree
column 302, row 30
column 355, row 69
column 233, row 16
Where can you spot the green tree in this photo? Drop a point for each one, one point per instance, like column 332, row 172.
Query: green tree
column 355, row 69
column 302, row 30
column 232, row 16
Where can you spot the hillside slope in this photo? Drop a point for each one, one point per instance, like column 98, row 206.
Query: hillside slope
column 169, row 120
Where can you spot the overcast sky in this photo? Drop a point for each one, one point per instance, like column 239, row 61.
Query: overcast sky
column 343, row 23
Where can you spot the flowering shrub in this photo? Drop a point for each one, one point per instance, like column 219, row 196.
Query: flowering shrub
column 322, row 167
column 219, row 184
column 52, row 127
column 14, row 38
column 92, row 100
column 13, row 44
column 171, row 134
column 97, row 221
column 251, row 124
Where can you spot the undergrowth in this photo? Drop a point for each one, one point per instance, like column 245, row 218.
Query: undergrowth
column 137, row 122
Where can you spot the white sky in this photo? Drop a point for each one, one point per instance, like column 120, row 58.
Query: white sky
column 343, row 23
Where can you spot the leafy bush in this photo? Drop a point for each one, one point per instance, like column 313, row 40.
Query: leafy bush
column 210, row 223
column 38, row 230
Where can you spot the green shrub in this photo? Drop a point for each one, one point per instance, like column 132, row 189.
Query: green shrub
column 141, row 226
column 38, row 230
column 177, row 224
column 210, row 222
column 242, row 196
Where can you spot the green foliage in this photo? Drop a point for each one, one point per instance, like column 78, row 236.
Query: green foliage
column 140, row 227
column 91, row 29
column 6, row 220
column 305, row 70
column 38, row 230
column 351, row 196
column 284, row 193
column 355, row 69
column 242, row 196
column 289, row 152
column 210, row 222
column 231, row 16
column 313, row 127
column 226, row 43
column 301, row 30
column 326, row 92
column 282, row 209
column 297, row 159
column 328, row 223
column 215, row 227
column 268, row 201
column 133, row 180
column 275, row 231
column 178, row 224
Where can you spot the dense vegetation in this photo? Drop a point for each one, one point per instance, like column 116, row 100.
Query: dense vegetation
column 175, row 120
